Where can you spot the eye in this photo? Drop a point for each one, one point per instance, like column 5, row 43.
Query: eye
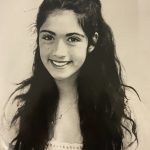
column 47, row 37
column 74, row 39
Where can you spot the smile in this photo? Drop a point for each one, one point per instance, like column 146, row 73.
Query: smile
column 59, row 64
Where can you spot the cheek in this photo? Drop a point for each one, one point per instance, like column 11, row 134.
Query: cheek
column 44, row 53
column 79, row 56
column 44, row 49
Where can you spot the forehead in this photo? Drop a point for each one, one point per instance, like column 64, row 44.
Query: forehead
column 62, row 22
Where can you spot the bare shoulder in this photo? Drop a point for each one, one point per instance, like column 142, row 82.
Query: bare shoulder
column 141, row 115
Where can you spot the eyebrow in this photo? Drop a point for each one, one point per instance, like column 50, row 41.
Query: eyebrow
column 68, row 34
column 50, row 32
column 74, row 33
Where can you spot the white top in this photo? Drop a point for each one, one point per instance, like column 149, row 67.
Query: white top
column 139, row 113
column 56, row 145
column 53, row 145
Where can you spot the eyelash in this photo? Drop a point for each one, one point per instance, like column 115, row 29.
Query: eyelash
column 48, row 37
column 70, row 39
column 74, row 39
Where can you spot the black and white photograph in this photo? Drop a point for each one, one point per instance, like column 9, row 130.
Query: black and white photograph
column 74, row 75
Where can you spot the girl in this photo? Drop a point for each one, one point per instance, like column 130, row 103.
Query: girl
column 75, row 98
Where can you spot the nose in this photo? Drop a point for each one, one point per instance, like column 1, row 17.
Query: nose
column 60, row 50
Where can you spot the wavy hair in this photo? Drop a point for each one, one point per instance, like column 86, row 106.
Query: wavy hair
column 102, row 100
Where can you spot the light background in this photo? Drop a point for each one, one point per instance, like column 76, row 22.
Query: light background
column 129, row 20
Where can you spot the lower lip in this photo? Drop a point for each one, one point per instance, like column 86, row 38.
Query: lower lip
column 60, row 67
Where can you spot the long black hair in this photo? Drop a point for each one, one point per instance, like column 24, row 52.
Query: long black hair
column 102, row 100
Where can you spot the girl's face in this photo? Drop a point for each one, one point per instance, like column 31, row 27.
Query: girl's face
column 63, row 44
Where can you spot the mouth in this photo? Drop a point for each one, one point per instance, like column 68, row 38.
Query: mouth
column 59, row 64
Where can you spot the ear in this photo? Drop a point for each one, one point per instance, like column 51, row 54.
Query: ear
column 94, row 39
column 91, row 48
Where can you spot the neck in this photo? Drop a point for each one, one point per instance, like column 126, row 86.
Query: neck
column 67, row 89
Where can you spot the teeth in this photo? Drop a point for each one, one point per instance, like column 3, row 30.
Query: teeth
column 60, row 64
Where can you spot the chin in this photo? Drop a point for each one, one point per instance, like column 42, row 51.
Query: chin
column 64, row 77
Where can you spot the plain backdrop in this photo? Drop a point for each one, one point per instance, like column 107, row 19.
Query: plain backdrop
column 129, row 20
